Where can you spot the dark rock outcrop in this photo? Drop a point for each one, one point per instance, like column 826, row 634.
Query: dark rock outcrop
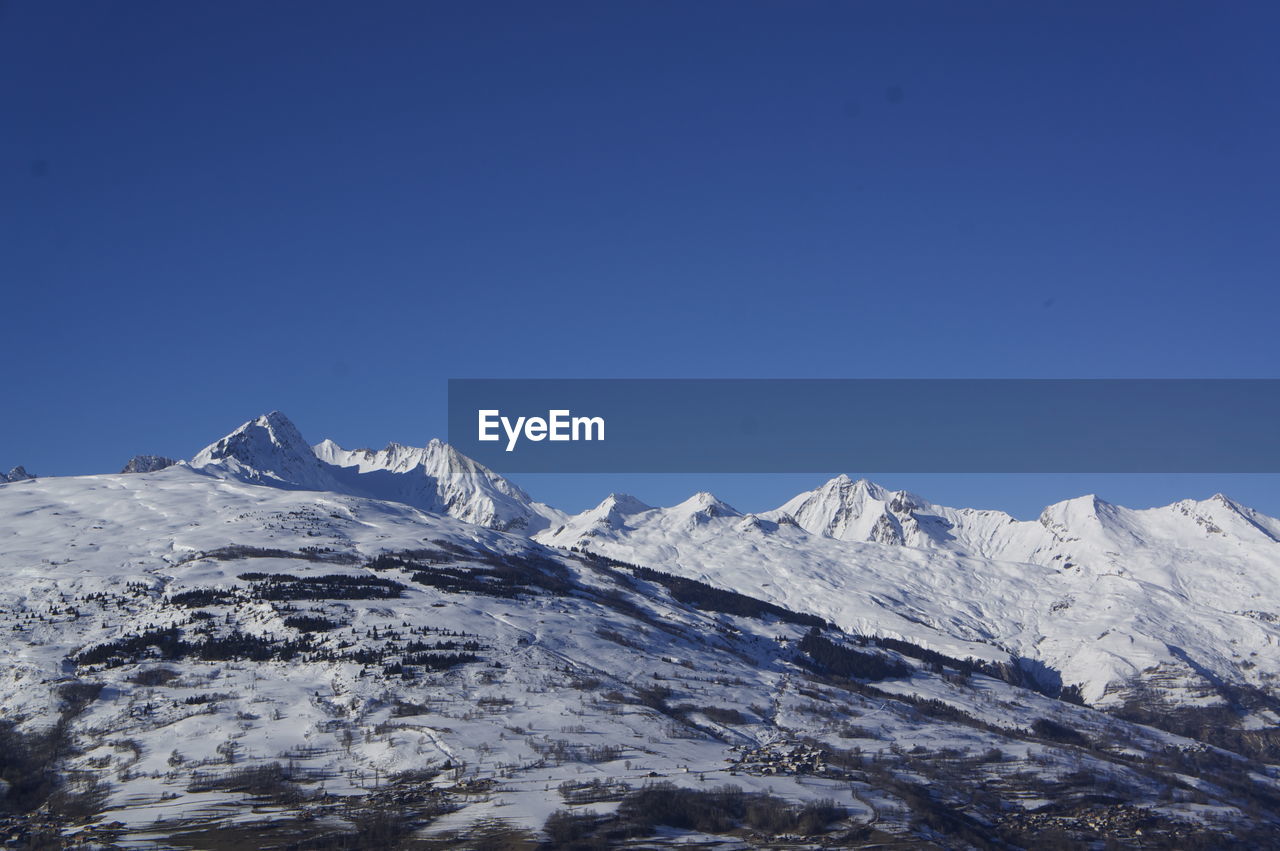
column 147, row 464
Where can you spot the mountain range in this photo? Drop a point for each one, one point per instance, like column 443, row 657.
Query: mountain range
column 1091, row 595
column 298, row 627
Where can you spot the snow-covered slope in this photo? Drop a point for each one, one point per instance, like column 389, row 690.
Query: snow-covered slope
column 225, row 656
column 1098, row 596
column 269, row 450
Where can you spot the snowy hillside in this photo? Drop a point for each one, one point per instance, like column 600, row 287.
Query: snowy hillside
column 1092, row 595
column 250, row 651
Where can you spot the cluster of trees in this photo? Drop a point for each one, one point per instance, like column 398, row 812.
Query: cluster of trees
column 507, row 576
column 558, row 752
column 470, row 646
column 438, row 661
column 1216, row 725
column 31, row 766
column 1010, row 672
column 235, row 552
column 331, row 586
column 200, row 597
column 708, row 598
column 829, row 657
column 169, row 644
column 712, row 811
column 310, row 623
column 269, row 780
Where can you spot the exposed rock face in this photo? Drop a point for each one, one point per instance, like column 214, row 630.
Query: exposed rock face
column 147, row 464
column 17, row 474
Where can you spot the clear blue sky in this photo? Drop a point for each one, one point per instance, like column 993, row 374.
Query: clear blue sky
column 209, row 210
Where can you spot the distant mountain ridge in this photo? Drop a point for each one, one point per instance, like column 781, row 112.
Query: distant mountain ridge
column 1105, row 596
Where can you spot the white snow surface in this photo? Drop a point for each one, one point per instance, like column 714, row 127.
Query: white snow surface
column 90, row 560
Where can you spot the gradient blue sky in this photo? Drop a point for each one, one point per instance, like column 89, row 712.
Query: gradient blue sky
column 211, row 210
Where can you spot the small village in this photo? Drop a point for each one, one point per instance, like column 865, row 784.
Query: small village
column 779, row 758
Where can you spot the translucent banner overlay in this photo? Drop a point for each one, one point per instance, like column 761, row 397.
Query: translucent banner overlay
column 868, row 425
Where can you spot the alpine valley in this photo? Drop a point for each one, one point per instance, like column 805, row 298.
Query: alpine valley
column 279, row 645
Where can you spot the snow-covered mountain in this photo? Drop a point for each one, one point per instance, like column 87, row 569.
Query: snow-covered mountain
column 1084, row 530
column 854, row 511
column 270, row 450
column 1091, row 595
column 437, row 477
column 257, row 648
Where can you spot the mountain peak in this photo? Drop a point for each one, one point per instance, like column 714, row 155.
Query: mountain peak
column 706, row 504
column 17, row 474
column 280, row 428
column 274, row 429
column 623, row 503
column 269, row 447
column 851, row 487
column 1076, row 514
column 275, row 417
column 1227, row 502
column 614, row 511
column 847, row 508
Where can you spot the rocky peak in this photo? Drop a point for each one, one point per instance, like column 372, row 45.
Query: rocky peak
column 147, row 464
